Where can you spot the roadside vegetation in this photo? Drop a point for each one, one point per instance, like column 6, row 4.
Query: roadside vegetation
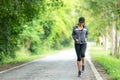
column 33, row 28
column 109, row 63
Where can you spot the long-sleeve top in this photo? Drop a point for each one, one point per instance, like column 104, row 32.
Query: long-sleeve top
column 81, row 35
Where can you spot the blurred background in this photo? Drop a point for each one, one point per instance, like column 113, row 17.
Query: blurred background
column 34, row 28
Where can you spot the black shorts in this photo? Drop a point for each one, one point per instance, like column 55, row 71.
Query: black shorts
column 80, row 50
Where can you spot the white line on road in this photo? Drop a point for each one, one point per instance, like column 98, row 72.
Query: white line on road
column 97, row 75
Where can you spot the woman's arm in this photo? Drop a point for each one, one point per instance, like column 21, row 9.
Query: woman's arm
column 86, row 35
column 74, row 34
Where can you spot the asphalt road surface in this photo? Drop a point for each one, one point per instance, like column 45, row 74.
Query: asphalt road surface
column 61, row 66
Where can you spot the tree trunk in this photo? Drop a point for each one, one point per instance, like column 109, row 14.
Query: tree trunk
column 106, row 39
column 116, row 40
column 113, row 37
column 116, row 47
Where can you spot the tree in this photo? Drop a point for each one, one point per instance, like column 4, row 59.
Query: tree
column 13, row 14
column 107, row 10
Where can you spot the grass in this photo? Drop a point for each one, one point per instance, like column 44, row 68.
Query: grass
column 110, row 63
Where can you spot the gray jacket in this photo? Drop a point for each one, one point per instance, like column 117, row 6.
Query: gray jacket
column 80, row 34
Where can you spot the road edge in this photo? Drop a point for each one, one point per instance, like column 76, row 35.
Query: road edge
column 96, row 73
column 16, row 67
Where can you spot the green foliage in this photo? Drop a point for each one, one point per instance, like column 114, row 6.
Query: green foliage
column 100, row 12
column 13, row 14
column 35, row 25
column 40, row 25
column 111, row 64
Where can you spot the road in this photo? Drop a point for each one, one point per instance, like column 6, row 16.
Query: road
column 60, row 66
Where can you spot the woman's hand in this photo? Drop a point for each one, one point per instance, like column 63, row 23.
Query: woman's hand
column 86, row 39
column 76, row 40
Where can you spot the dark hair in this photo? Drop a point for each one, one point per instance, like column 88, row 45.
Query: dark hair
column 81, row 19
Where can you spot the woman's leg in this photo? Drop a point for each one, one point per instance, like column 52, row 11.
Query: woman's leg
column 83, row 50
column 79, row 65
column 77, row 48
column 83, row 63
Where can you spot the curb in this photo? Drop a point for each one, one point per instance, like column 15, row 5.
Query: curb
column 16, row 67
column 97, row 75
